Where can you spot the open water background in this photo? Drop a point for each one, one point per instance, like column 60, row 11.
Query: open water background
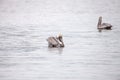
column 88, row 53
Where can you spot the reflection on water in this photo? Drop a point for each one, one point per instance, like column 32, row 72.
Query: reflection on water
column 89, row 54
column 57, row 50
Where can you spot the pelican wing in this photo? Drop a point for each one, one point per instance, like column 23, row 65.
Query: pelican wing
column 52, row 40
column 106, row 25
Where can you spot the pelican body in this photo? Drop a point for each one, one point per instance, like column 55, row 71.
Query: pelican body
column 55, row 42
column 103, row 25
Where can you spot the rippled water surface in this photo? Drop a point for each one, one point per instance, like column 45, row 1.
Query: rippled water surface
column 88, row 53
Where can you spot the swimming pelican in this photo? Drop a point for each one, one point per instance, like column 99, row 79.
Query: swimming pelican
column 55, row 41
column 101, row 25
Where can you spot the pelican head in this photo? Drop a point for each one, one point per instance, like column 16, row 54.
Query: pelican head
column 60, row 38
column 99, row 22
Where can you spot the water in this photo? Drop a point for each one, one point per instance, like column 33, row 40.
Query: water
column 88, row 53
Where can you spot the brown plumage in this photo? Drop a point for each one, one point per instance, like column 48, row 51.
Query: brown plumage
column 101, row 25
column 55, row 41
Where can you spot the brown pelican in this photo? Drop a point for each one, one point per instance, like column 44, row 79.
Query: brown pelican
column 55, row 41
column 101, row 25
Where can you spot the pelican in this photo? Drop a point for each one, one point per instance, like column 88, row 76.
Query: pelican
column 55, row 41
column 101, row 25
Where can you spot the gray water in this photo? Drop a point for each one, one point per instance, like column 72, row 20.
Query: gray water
column 88, row 54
